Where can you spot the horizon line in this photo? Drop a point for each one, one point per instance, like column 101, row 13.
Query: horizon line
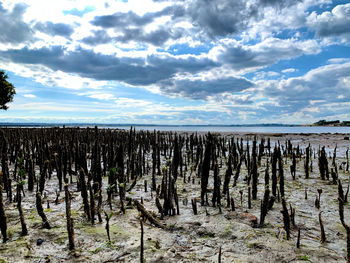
column 2, row 124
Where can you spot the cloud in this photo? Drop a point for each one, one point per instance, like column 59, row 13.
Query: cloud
column 338, row 60
column 329, row 83
column 265, row 53
column 122, row 20
column 226, row 18
column 202, row 89
column 209, row 19
column 132, row 103
column 29, row 96
column 221, row 17
column 289, row 70
column 266, row 75
column 132, row 27
column 156, row 37
column 86, row 63
column 52, row 29
column 167, row 72
column 230, row 100
column 332, row 24
column 97, row 37
column 102, row 96
column 13, row 29
column 279, row 3
column 221, row 57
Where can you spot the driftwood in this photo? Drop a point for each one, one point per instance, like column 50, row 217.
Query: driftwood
column 40, row 210
column 148, row 215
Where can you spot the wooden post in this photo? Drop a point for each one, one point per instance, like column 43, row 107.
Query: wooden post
column 142, row 259
column 3, row 218
column 70, row 227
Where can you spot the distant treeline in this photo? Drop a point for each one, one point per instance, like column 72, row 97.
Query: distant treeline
column 331, row 123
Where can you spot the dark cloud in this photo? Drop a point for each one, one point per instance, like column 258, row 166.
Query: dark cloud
column 221, row 17
column 123, row 20
column 156, row 37
column 201, row 89
column 98, row 37
column 155, row 69
column 130, row 19
column 13, row 29
column 86, row 63
column 279, row 3
column 52, row 29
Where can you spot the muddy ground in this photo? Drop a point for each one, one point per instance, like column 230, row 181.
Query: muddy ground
column 189, row 237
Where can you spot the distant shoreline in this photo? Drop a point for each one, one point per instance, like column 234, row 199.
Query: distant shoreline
column 107, row 125
column 150, row 125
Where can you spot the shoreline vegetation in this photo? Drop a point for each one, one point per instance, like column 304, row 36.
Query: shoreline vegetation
column 336, row 123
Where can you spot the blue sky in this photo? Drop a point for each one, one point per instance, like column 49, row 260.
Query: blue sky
column 176, row 62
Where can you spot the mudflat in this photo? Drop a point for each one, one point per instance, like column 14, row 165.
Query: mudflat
column 184, row 170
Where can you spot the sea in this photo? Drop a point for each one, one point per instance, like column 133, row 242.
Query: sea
column 295, row 129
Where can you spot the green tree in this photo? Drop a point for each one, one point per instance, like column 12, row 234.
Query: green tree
column 7, row 90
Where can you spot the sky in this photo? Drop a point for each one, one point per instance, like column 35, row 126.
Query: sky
column 193, row 62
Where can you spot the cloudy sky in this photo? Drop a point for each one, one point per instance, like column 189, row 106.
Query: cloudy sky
column 176, row 62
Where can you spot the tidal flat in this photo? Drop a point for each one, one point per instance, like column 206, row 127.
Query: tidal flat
column 113, row 195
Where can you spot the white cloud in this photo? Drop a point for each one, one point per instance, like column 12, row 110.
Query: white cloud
column 248, row 58
column 332, row 24
column 338, row 60
column 128, row 102
column 313, row 102
column 29, row 96
column 52, row 78
column 99, row 95
column 289, row 70
column 325, row 84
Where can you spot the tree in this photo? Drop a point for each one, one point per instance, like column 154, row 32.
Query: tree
column 7, row 90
